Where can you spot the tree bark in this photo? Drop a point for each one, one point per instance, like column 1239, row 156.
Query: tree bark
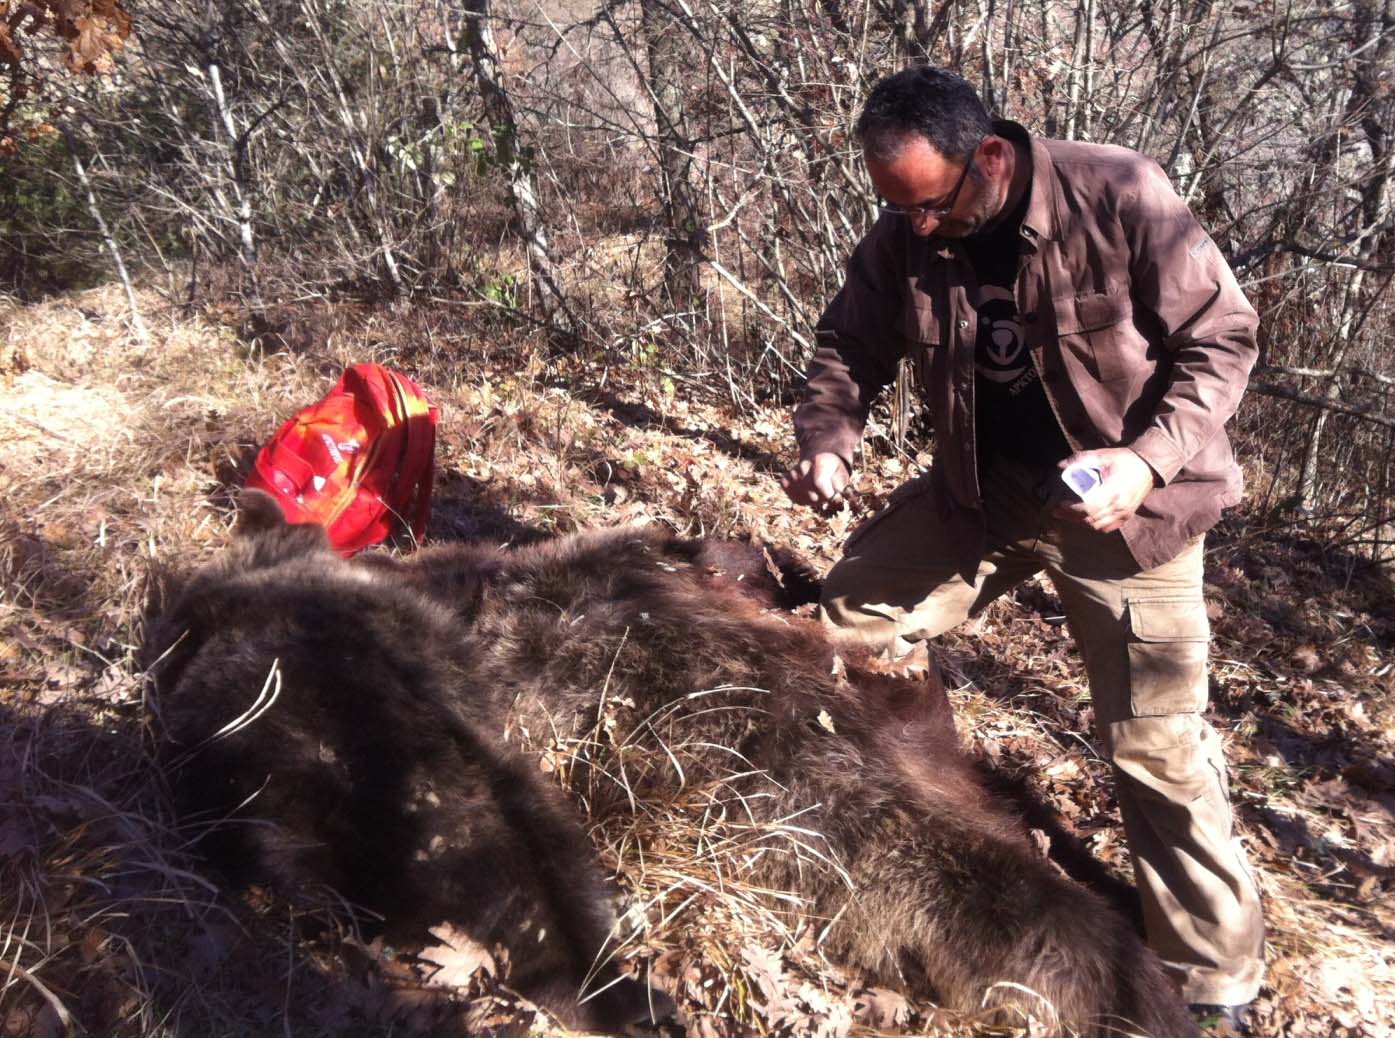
column 666, row 46
column 503, row 125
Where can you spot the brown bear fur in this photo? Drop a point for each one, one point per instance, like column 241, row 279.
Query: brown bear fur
column 380, row 775
column 661, row 655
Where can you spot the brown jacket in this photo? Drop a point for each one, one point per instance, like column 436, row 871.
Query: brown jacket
column 1134, row 321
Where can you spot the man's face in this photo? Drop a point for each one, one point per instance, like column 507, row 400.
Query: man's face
column 919, row 176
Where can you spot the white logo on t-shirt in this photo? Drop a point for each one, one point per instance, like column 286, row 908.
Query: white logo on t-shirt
column 999, row 356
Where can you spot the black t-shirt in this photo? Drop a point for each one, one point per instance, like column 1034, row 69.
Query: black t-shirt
column 1012, row 415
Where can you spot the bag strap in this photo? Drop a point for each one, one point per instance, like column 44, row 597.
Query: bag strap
column 420, row 419
column 372, row 382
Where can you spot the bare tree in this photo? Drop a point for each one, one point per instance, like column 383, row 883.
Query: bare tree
column 516, row 162
column 1370, row 231
column 667, row 43
column 440, row 149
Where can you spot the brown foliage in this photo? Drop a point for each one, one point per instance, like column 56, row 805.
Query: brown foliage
column 95, row 30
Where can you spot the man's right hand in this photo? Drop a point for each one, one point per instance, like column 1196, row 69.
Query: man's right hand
column 818, row 481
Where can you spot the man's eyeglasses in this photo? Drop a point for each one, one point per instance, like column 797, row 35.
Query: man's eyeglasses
column 940, row 211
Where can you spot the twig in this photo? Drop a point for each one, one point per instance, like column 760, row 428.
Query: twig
column 142, row 333
column 1275, row 369
column 732, row 280
column 1366, row 414
column 65, row 1018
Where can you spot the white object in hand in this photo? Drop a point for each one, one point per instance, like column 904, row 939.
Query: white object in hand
column 1081, row 478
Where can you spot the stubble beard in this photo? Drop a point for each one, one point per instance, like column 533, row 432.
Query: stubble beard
column 985, row 212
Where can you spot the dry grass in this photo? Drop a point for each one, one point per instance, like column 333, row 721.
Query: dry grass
column 120, row 462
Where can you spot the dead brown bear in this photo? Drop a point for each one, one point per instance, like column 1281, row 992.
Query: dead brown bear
column 650, row 640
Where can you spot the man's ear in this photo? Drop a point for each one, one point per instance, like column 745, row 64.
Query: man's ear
column 993, row 154
column 257, row 513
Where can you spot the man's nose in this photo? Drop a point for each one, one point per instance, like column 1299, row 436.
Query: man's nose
column 923, row 224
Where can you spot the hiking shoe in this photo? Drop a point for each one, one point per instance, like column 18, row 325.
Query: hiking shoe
column 1223, row 1021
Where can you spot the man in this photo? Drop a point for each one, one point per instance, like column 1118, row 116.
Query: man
column 1059, row 303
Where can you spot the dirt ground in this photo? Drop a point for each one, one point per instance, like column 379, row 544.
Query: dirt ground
column 120, row 464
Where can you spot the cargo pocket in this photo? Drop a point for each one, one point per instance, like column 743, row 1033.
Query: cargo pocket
column 1168, row 641
column 900, row 497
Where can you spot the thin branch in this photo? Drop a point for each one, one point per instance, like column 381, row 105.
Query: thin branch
column 142, row 333
column 1365, row 414
column 1271, row 369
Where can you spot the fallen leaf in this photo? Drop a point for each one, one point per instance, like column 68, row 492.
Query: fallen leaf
column 765, row 968
column 1306, row 659
column 882, row 1008
column 1065, row 768
column 457, row 958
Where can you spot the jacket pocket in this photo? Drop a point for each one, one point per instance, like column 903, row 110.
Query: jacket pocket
column 1097, row 325
column 921, row 324
column 924, row 332
column 1168, row 641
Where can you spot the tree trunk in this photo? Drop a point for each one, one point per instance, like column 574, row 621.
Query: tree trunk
column 1372, row 110
column 1308, row 476
column 666, row 46
column 915, row 26
column 137, row 321
column 499, row 111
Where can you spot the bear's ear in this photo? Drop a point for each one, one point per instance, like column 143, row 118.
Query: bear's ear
column 257, row 513
column 264, row 537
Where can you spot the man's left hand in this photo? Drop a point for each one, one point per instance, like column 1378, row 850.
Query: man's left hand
column 1125, row 480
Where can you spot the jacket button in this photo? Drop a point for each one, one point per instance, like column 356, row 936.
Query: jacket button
column 963, row 324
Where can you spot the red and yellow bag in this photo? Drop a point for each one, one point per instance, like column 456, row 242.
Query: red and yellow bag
column 359, row 462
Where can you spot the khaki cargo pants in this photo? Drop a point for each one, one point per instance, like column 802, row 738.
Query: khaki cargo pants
column 1144, row 640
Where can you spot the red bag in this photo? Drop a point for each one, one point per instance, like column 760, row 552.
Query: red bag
column 359, row 462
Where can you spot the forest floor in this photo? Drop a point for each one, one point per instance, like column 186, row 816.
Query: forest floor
column 120, row 464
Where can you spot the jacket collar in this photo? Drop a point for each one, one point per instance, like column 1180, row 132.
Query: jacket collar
column 1042, row 219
